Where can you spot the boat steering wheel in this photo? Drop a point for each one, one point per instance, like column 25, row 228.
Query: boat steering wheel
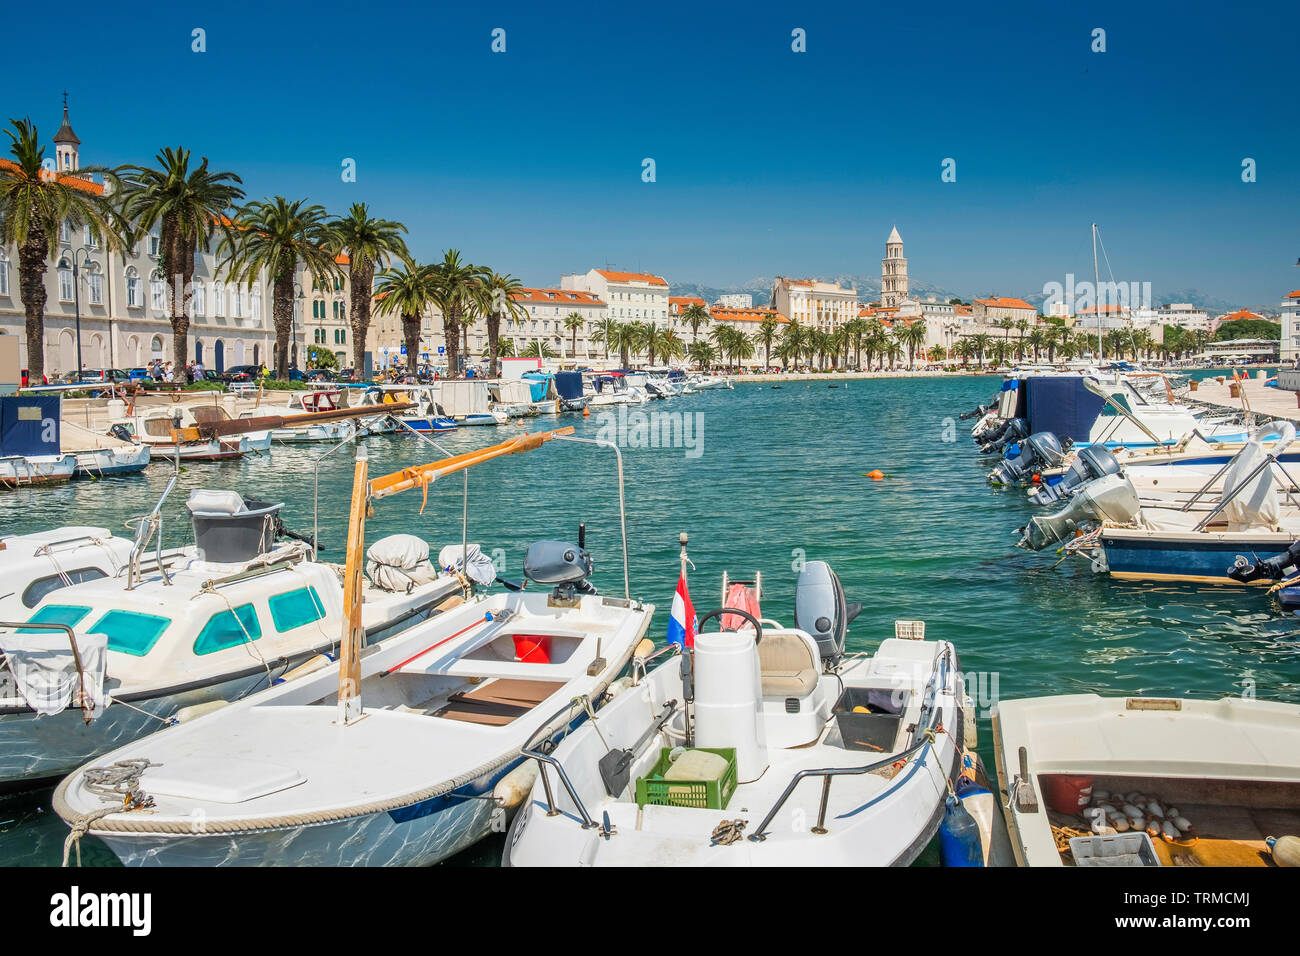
column 758, row 627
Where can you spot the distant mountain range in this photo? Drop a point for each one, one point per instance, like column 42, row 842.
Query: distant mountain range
column 869, row 291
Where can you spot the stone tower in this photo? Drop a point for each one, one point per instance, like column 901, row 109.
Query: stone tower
column 66, row 144
column 893, row 271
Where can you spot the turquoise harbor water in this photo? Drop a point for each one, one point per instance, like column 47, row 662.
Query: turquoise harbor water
column 779, row 477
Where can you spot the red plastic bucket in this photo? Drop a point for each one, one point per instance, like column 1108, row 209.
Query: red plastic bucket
column 533, row 648
column 1065, row 793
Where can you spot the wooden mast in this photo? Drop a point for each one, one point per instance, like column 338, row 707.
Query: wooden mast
column 353, row 632
column 421, row 476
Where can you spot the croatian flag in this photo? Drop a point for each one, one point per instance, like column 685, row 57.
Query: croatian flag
column 682, row 623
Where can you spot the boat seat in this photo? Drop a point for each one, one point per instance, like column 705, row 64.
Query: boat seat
column 787, row 664
column 497, row 703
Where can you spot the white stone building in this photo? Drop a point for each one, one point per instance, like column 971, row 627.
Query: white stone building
column 628, row 296
column 821, row 305
column 736, row 300
column 1290, row 320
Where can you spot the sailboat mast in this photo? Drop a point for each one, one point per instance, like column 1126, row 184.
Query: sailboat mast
column 1096, row 294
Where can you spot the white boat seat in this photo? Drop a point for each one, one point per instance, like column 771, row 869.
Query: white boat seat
column 788, row 665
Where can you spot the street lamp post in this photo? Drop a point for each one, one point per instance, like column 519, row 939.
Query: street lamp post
column 76, row 292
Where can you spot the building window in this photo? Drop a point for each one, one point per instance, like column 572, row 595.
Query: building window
column 65, row 231
column 4, row 274
column 236, row 302
column 255, row 304
column 198, row 301
column 65, row 282
column 155, row 241
column 218, row 299
column 158, row 296
column 96, row 283
column 132, row 288
column 89, row 236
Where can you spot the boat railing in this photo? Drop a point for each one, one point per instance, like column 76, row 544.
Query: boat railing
column 149, row 526
column 1269, row 460
column 544, row 760
column 622, row 507
column 923, row 737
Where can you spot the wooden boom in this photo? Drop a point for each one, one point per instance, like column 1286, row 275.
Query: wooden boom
column 424, row 475
column 238, row 426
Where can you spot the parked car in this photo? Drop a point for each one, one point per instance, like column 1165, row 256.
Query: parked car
column 240, row 373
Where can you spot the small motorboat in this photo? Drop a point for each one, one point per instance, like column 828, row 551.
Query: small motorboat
column 30, row 448
column 764, row 745
column 1143, row 781
column 303, row 773
column 99, row 456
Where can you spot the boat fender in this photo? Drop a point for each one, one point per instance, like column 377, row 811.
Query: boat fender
column 617, row 687
column 959, row 836
column 512, row 789
column 1285, row 850
column 186, row 714
column 309, row 666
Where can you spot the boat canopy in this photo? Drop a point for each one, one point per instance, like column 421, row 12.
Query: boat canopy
column 29, row 425
column 568, row 384
column 1055, row 403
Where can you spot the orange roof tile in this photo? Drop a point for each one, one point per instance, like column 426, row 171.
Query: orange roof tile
column 1107, row 309
column 680, row 303
column 1293, row 295
column 747, row 315
column 631, row 277
column 1239, row 315
column 76, row 182
column 999, row 302
column 342, row 259
column 556, row 297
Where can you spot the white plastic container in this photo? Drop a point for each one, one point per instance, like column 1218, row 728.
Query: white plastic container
column 728, row 699
column 1120, row 849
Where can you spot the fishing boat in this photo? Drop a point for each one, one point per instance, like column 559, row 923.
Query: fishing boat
column 99, row 456
column 1105, row 781
column 30, row 449
column 115, row 656
column 303, row 403
column 305, row 774
column 513, row 397
column 154, row 426
column 425, row 416
column 709, row 758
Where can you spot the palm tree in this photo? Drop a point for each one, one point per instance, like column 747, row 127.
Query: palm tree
column 965, row 350
column 33, row 206
column 501, row 303
column 695, row 315
column 1035, row 340
column 369, row 244
column 506, row 348
column 537, row 349
column 606, row 333
column 703, row 354
column 670, row 346
column 854, row 329
column 740, row 346
column 912, row 336
column 791, row 346
column 1021, row 326
column 280, row 236
column 981, row 342
column 408, row 293
column 767, row 330
column 459, row 292
column 627, row 339
column 574, row 323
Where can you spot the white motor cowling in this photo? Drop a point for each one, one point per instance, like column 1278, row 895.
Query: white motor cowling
column 728, row 699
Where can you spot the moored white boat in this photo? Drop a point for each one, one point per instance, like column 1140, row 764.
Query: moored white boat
column 1211, row 779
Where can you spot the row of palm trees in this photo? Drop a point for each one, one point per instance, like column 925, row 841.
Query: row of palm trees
column 196, row 209
column 1058, row 341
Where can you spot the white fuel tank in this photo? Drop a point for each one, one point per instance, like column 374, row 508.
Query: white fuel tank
column 729, row 698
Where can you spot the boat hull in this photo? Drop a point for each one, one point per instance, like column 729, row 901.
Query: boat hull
column 43, row 470
column 1138, row 555
column 102, row 462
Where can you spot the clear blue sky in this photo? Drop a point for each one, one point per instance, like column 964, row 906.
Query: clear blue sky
column 768, row 161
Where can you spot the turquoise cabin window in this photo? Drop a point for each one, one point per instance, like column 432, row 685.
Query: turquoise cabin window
column 224, row 630
column 296, row 608
column 131, row 632
column 69, row 614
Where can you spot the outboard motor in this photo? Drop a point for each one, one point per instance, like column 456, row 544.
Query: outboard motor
column 1112, row 498
column 1089, row 464
column 122, row 432
column 1013, row 429
column 1245, row 570
column 230, row 529
column 567, row 566
column 1037, row 452
column 820, row 609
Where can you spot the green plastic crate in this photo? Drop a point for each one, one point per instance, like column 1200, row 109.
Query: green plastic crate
column 704, row 794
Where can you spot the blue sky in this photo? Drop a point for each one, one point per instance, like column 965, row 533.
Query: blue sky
column 767, row 161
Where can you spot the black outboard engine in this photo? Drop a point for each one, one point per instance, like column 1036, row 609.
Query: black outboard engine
column 1271, row 568
column 1038, row 451
column 820, row 609
column 1013, row 429
column 122, row 432
column 1089, row 463
column 567, row 566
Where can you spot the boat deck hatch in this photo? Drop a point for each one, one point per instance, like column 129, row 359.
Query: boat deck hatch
column 217, row 779
column 498, row 703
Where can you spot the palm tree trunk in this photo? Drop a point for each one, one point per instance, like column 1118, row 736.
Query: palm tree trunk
column 494, row 336
column 451, row 341
column 362, row 281
column 282, row 316
column 178, row 273
column 32, row 258
column 411, row 335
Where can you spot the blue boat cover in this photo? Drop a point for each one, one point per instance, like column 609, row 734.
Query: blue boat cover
column 1061, row 405
column 568, row 384
column 1010, row 383
column 29, row 426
